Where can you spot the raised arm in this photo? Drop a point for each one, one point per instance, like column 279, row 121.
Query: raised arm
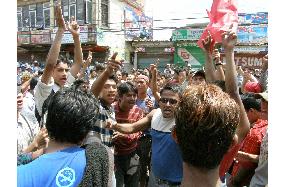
column 74, row 28
column 209, row 67
column 229, row 41
column 140, row 125
column 55, row 47
column 156, row 94
column 219, row 72
column 100, row 81
column 85, row 65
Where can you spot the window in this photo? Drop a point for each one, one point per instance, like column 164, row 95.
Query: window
column 20, row 23
column 19, row 18
column 32, row 18
column 88, row 11
column 104, row 8
column 46, row 16
column 72, row 11
column 32, row 15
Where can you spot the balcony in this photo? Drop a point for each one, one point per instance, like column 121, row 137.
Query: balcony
column 87, row 35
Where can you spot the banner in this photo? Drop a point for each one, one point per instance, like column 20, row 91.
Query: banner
column 252, row 34
column 260, row 17
column 137, row 25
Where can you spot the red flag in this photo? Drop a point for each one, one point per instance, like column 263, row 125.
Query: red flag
column 222, row 16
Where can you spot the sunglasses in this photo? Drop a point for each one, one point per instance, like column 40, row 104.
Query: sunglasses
column 166, row 100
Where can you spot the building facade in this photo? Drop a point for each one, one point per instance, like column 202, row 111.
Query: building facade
column 105, row 27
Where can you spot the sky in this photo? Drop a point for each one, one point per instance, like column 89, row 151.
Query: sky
column 179, row 9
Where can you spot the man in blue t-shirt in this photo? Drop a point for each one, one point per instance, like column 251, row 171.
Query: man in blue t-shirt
column 166, row 161
column 71, row 114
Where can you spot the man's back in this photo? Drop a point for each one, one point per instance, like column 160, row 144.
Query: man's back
column 61, row 168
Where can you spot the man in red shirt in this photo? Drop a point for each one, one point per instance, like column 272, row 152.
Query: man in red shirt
column 125, row 158
column 247, row 157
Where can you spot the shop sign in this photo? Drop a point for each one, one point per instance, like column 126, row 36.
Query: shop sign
column 187, row 34
column 40, row 37
column 23, row 37
column 252, row 61
column 67, row 37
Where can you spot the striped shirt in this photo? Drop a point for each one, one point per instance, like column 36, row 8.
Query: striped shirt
column 127, row 146
column 99, row 133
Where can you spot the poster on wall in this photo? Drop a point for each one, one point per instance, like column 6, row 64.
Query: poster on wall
column 137, row 24
column 252, row 34
column 260, row 17
column 114, row 41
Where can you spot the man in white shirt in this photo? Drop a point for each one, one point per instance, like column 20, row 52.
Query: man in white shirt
column 56, row 73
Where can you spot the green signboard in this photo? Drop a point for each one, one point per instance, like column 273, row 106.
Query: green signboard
column 187, row 34
column 189, row 53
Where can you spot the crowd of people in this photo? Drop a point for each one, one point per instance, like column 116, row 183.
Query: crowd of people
column 104, row 126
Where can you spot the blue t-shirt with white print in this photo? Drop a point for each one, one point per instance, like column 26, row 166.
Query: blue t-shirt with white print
column 59, row 169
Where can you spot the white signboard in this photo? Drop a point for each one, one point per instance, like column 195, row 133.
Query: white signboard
column 67, row 37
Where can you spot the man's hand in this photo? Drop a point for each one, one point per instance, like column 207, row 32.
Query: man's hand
column 59, row 17
column 73, row 27
column 216, row 56
column 88, row 61
column 113, row 64
column 41, row 139
column 117, row 135
column 229, row 40
column 149, row 104
column 208, row 43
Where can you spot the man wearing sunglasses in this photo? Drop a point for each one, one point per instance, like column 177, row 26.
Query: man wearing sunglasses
column 166, row 159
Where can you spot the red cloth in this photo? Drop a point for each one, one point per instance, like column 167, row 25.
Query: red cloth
column 127, row 145
column 254, row 87
column 223, row 14
column 251, row 144
column 228, row 159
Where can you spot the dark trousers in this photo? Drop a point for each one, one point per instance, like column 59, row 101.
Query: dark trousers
column 126, row 170
column 144, row 152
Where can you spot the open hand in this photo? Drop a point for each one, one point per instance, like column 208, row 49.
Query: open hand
column 208, row 43
column 229, row 39
column 59, row 17
column 73, row 27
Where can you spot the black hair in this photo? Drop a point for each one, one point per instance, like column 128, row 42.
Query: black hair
column 79, row 84
column 71, row 115
column 125, row 88
column 113, row 77
column 124, row 73
column 249, row 101
column 62, row 61
column 172, row 87
column 33, row 83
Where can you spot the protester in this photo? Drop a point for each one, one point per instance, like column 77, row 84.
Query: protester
column 56, row 73
column 166, row 162
column 71, row 114
column 125, row 146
